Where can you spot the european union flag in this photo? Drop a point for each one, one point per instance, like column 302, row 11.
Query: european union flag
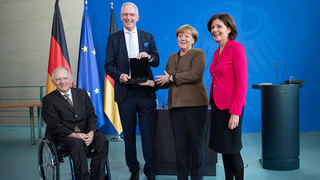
column 88, row 77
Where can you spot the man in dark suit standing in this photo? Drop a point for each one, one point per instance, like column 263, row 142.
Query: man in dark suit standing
column 70, row 118
column 131, row 42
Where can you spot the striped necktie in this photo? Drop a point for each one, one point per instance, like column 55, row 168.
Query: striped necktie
column 68, row 99
column 76, row 129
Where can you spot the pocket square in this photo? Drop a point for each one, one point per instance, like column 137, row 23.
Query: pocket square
column 146, row 44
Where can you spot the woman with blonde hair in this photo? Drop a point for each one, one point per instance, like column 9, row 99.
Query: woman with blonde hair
column 187, row 103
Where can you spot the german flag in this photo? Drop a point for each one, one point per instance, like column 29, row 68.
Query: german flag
column 58, row 48
column 110, row 107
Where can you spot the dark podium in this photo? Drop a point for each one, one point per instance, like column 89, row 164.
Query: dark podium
column 280, row 126
column 165, row 151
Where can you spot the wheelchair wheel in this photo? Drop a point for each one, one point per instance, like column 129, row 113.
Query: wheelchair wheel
column 48, row 161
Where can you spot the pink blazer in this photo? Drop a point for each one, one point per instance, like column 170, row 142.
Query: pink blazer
column 229, row 78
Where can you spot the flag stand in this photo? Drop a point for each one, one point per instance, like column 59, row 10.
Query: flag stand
column 117, row 138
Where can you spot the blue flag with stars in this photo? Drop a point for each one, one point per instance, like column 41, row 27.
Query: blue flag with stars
column 88, row 77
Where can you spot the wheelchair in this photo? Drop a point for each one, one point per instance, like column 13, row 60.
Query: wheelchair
column 50, row 155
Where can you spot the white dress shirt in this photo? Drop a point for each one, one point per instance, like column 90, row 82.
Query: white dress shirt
column 69, row 93
column 135, row 40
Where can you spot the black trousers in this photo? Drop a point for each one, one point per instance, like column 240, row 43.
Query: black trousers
column 78, row 151
column 189, row 125
column 138, row 102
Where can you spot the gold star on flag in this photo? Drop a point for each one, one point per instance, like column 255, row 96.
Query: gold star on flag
column 85, row 49
column 94, row 52
column 88, row 93
column 96, row 91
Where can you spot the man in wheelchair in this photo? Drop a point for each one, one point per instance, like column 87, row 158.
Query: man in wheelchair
column 71, row 120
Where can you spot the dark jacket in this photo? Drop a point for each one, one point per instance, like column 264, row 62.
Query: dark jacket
column 117, row 60
column 61, row 118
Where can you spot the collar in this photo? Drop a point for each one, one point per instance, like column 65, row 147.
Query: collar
column 133, row 31
column 186, row 52
column 69, row 92
column 229, row 43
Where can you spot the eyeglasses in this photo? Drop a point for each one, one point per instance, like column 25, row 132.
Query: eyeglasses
column 60, row 79
column 129, row 14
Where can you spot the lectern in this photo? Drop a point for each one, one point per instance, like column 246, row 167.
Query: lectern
column 280, row 126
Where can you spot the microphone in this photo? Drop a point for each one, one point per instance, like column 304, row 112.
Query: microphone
column 275, row 63
column 282, row 70
column 164, row 103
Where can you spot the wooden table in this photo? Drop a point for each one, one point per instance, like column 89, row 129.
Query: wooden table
column 29, row 105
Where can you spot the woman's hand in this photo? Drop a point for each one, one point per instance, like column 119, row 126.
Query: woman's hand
column 163, row 79
column 150, row 83
column 233, row 121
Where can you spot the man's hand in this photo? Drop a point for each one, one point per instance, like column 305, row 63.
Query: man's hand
column 124, row 77
column 87, row 138
column 78, row 135
column 143, row 55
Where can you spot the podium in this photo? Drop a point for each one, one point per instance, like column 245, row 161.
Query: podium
column 280, row 126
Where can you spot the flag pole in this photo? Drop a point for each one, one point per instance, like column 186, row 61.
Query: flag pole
column 117, row 138
column 88, row 76
column 58, row 53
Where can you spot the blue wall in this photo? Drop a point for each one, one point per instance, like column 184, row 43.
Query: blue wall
column 269, row 30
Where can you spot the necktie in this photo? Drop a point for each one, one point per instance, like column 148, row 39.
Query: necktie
column 68, row 99
column 76, row 129
column 132, row 53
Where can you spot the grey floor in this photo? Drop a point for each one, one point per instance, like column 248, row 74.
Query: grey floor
column 18, row 159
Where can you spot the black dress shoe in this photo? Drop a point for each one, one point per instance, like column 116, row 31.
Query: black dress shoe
column 134, row 176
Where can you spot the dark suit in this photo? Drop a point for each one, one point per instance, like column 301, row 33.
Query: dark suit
column 132, row 100
column 61, row 119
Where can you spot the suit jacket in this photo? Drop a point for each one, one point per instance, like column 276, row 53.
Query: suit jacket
column 61, row 118
column 117, row 60
column 188, row 89
column 229, row 78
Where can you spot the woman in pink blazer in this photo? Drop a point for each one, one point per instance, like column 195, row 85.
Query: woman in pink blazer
column 227, row 94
